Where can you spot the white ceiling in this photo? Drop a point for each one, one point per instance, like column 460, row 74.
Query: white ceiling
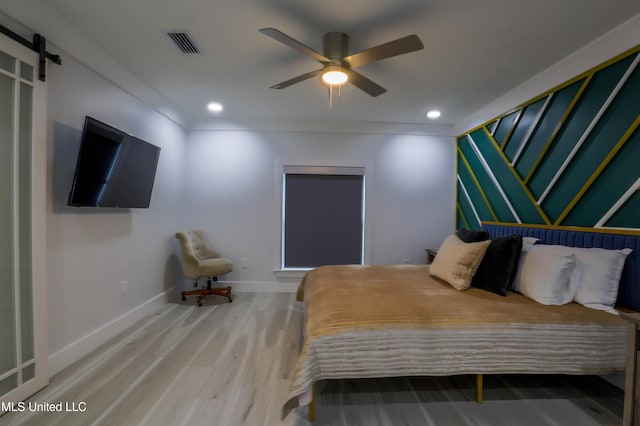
column 474, row 52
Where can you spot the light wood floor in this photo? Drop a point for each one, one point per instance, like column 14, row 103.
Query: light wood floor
column 229, row 364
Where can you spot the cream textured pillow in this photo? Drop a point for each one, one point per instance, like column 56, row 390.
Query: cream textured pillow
column 457, row 261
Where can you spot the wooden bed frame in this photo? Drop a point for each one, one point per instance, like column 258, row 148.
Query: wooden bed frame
column 629, row 289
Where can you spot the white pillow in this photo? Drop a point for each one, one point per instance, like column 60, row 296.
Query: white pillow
column 529, row 240
column 543, row 275
column 457, row 261
column 597, row 276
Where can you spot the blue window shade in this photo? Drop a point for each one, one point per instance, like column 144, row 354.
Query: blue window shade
column 323, row 220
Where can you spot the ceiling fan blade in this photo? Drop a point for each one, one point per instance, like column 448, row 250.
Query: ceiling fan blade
column 297, row 79
column 363, row 83
column 294, row 44
column 387, row 50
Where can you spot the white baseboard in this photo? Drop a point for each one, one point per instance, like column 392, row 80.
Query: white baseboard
column 73, row 352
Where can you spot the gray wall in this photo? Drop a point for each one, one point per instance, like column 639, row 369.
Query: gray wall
column 91, row 251
column 234, row 191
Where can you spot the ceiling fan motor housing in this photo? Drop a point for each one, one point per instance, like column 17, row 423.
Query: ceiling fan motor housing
column 336, row 47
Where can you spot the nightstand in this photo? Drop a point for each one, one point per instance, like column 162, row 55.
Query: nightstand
column 631, row 413
column 431, row 254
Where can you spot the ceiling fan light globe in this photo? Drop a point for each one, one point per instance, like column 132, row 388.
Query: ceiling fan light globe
column 335, row 77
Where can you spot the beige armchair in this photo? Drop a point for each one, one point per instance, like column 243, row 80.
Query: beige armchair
column 199, row 260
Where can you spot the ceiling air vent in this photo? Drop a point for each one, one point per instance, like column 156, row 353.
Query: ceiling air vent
column 183, row 40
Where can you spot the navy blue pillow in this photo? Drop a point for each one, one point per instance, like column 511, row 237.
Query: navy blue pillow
column 499, row 265
column 470, row 236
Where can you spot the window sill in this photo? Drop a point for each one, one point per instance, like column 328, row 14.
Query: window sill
column 291, row 272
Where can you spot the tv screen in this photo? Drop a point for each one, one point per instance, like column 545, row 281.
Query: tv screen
column 113, row 169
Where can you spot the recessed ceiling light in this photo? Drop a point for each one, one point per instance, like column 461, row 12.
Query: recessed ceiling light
column 214, row 107
column 433, row 114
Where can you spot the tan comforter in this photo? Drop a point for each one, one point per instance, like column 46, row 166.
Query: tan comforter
column 386, row 321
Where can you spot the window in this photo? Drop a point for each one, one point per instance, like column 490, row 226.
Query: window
column 323, row 216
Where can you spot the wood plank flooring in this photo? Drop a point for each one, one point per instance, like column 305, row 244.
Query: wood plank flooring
column 229, row 364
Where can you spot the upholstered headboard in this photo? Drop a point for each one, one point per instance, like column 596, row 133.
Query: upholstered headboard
column 629, row 290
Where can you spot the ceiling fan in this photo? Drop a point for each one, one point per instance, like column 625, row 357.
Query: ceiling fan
column 338, row 65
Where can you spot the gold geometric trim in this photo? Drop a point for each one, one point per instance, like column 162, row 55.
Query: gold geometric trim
column 587, row 132
column 507, row 137
column 519, row 179
column 475, row 180
column 461, row 215
column 569, row 228
column 532, row 128
column 553, row 136
column 562, row 86
column 625, row 137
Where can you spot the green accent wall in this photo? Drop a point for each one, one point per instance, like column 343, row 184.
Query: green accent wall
column 570, row 156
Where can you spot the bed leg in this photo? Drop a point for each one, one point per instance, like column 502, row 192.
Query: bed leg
column 312, row 404
column 479, row 388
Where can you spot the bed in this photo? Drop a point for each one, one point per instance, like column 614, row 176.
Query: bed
column 370, row 321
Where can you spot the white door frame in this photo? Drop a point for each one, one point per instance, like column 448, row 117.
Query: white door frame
column 38, row 220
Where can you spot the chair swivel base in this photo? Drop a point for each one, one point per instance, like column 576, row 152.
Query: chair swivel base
column 218, row 291
column 204, row 292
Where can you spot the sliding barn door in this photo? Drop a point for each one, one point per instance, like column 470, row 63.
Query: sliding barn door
column 23, row 351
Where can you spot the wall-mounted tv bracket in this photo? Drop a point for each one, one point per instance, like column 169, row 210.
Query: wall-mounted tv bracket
column 39, row 45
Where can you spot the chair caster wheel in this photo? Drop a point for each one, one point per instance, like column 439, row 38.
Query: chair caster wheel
column 184, row 298
column 199, row 303
column 230, row 299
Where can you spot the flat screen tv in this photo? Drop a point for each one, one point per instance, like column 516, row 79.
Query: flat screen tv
column 113, row 169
